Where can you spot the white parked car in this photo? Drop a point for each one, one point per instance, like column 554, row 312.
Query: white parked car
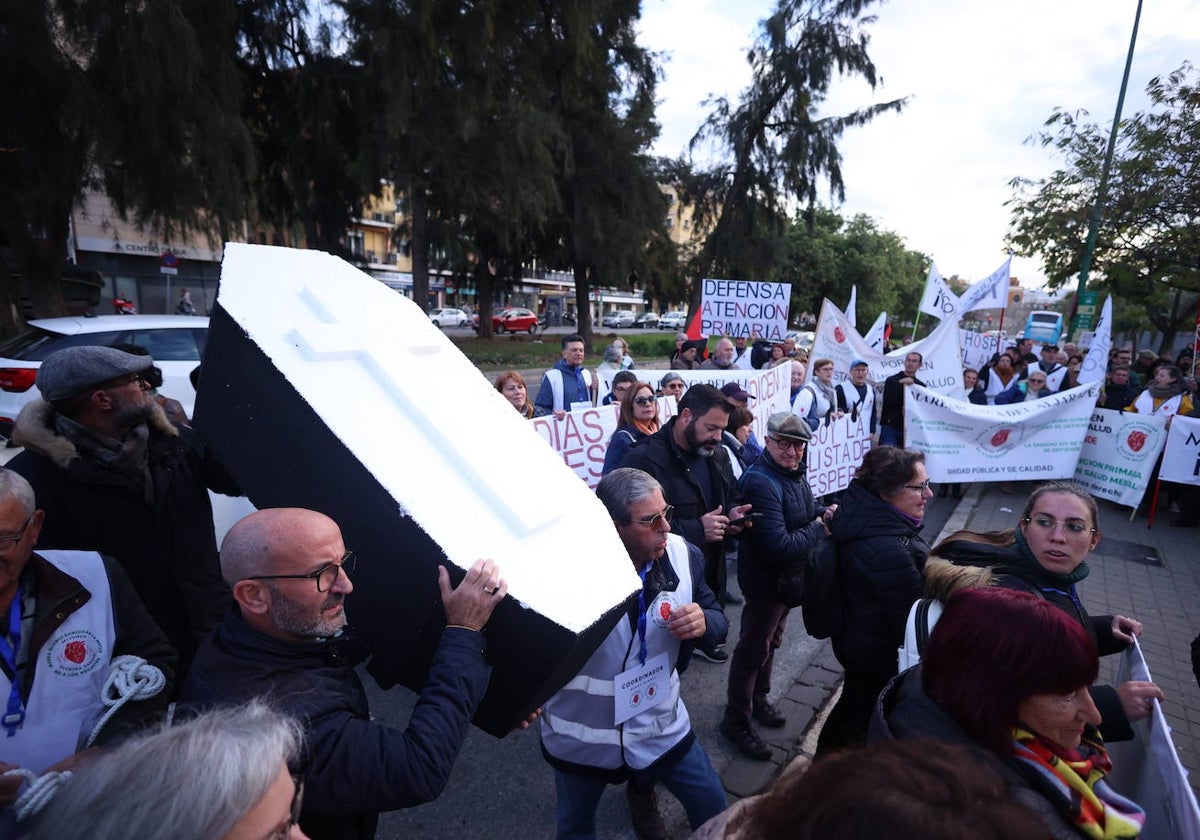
column 449, row 317
column 673, row 321
column 176, row 343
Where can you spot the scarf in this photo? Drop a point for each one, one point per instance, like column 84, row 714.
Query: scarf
column 646, row 428
column 1165, row 392
column 827, row 392
column 1077, row 779
column 129, row 456
column 1036, row 573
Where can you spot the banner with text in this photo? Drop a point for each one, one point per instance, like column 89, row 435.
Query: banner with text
column 835, row 453
column 745, row 308
column 1118, row 454
column 836, row 339
column 978, row 348
column 1029, row 441
column 1181, row 459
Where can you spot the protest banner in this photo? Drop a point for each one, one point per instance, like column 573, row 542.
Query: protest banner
column 836, row 339
column 875, row 336
column 937, row 299
column 1029, row 441
column 745, row 308
column 978, row 348
column 835, row 453
column 989, row 293
column 1181, row 457
column 1118, row 454
column 581, row 438
column 1095, row 361
column 1147, row 769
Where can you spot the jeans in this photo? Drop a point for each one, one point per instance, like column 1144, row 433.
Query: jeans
column 691, row 779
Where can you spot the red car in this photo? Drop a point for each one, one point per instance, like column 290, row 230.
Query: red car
column 511, row 319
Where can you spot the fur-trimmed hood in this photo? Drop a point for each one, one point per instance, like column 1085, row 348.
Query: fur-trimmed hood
column 35, row 430
column 943, row 578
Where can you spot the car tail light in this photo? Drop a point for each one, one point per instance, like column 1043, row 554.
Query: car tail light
column 17, row 380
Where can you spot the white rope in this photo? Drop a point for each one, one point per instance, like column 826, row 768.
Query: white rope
column 129, row 678
column 40, row 791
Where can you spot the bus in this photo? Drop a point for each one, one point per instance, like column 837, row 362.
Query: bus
column 1044, row 327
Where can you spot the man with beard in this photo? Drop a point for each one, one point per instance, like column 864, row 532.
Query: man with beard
column 114, row 475
column 686, row 457
column 283, row 639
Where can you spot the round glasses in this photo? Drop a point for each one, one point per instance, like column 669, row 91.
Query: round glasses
column 326, row 576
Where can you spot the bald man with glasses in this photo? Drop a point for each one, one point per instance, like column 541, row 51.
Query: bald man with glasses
column 285, row 639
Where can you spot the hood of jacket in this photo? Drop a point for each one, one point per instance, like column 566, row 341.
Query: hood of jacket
column 35, row 430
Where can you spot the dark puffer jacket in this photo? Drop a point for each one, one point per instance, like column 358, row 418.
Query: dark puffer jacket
column 168, row 549
column 964, row 563
column 880, row 555
column 354, row 768
column 906, row 711
column 788, row 530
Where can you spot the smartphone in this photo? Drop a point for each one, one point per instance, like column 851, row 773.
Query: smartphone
column 751, row 515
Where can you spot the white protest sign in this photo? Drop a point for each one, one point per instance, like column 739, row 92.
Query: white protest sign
column 1181, row 458
column 835, row 453
column 937, row 299
column 1147, row 769
column 1095, row 363
column 744, row 308
column 769, row 390
column 941, row 365
column 977, row 348
column 1118, row 454
column 1028, row 441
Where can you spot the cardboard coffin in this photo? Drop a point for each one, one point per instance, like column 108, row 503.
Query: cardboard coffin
column 323, row 389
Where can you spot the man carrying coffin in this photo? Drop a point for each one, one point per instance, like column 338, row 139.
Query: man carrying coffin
column 283, row 639
column 621, row 717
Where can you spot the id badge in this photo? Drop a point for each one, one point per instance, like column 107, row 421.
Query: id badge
column 641, row 687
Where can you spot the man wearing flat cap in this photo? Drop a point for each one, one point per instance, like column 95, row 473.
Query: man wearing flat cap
column 114, row 475
column 790, row 523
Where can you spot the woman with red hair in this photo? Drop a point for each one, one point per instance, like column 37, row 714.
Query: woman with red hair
column 1021, row 698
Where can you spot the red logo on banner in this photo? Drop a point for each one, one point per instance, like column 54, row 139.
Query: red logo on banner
column 75, row 651
column 664, row 609
column 1136, row 441
column 839, row 335
column 1000, row 437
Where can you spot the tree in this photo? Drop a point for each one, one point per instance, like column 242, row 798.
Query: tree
column 140, row 100
column 775, row 148
column 1148, row 247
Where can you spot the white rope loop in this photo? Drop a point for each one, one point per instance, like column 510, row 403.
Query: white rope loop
column 40, row 791
column 130, row 678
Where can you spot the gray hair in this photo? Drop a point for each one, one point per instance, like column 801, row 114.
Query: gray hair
column 195, row 779
column 14, row 486
column 623, row 488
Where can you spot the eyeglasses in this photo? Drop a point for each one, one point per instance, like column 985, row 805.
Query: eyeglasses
column 644, row 401
column 785, row 444
column 326, row 576
column 1071, row 527
column 653, row 521
column 7, row 544
column 293, row 813
column 920, row 488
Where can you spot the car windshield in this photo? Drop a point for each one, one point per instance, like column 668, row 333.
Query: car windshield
column 165, row 345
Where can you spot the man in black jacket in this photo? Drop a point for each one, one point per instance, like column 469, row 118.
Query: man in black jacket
column 687, row 459
column 283, row 639
column 891, row 413
column 114, row 475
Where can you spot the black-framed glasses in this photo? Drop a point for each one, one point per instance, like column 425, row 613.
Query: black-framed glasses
column 653, row 521
column 920, row 488
column 7, row 544
column 326, row 576
column 644, row 401
column 785, row 444
column 284, row 830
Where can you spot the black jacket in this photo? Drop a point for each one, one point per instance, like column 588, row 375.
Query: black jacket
column 788, row 530
column 905, row 711
column 1004, row 568
column 354, row 768
column 658, row 455
column 880, row 555
column 168, row 549
column 891, row 410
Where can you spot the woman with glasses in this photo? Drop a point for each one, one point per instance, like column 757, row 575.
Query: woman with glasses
column 638, row 417
column 1046, row 554
column 880, row 554
column 1032, row 388
column 222, row 775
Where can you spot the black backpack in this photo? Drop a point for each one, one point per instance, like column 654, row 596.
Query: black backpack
column 823, row 609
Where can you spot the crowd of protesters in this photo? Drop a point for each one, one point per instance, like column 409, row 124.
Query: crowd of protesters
column 108, row 563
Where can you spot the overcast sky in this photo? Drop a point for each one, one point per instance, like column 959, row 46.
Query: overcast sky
column 981, row 77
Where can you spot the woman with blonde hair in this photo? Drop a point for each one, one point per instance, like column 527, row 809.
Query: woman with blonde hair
column 512, row 385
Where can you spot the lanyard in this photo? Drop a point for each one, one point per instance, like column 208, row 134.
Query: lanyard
column 14, row 715
column 1070, row 594
column 641, row 624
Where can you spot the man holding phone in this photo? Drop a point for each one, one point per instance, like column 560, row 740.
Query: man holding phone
column 790, row 524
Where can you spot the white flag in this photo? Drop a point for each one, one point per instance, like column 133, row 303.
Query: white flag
column 1095, row 363
column 989, row 293
column 850, row 305
column 874, row 336
column 937, row 299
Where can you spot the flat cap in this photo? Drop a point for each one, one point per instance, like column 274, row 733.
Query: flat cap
column 785, row 424
column 66, row 373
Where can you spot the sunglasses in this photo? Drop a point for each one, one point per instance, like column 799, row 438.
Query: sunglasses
column 643, row 401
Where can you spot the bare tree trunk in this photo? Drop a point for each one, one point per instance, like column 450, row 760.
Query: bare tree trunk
column 420, row 246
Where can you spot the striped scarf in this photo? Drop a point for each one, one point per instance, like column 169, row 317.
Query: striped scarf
column 1077, row 777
